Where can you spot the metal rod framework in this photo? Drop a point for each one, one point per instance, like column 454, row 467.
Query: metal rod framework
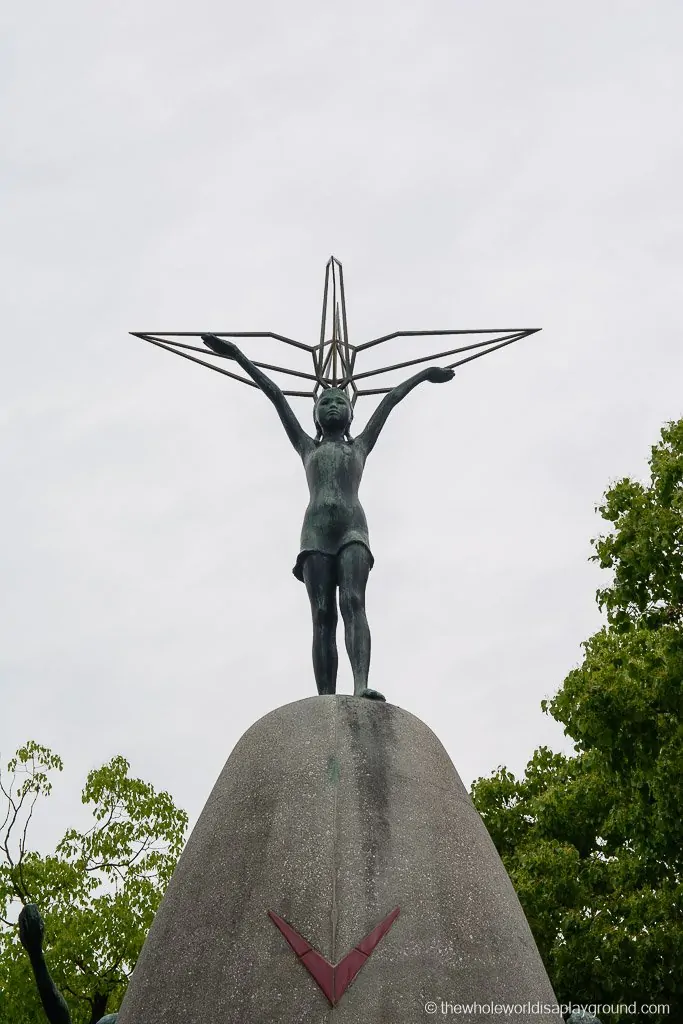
column 334, row 357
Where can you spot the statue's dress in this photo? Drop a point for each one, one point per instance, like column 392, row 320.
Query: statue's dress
column 334, row 517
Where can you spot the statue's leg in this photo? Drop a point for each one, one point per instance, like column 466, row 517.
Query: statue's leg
column 353, row 565
column 320, row 577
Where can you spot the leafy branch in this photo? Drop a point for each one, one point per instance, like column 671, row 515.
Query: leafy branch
column 98, row 891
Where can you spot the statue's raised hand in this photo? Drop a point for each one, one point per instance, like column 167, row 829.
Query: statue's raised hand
column 439, row 374
column 222, row 346
column 31, row 929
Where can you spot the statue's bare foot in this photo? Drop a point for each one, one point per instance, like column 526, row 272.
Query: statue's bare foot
column 371, row 694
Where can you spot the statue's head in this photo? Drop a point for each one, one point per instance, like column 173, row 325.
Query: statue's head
column 332, row 412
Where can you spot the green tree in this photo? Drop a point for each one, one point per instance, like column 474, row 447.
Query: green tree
column 98, row 891
column 593, row 842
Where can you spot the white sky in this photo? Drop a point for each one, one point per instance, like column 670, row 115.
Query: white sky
column 171, row 166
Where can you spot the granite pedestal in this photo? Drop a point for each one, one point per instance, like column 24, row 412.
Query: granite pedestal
column 330, row 813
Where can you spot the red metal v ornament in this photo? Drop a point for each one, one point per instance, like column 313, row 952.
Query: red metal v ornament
column 334, row 979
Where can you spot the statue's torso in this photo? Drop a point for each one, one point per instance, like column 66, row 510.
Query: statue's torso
column 334, row 516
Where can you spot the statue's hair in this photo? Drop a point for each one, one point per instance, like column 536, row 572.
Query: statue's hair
column 319, row 433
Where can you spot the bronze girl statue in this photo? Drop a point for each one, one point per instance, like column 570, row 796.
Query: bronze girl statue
column 335, row 547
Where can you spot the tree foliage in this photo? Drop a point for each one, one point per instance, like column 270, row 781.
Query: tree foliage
column 98, row 891
column 593, row 842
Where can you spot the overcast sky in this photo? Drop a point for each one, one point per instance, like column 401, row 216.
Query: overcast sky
column 171, row 166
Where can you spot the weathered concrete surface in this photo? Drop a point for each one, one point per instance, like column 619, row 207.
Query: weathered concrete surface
column 331, row 812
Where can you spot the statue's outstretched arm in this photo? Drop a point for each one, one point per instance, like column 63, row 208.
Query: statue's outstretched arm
column 31, row 930
column 369, row 436
column 295, row 432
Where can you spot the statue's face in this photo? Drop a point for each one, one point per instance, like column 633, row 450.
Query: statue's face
column 333, row 410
